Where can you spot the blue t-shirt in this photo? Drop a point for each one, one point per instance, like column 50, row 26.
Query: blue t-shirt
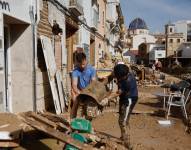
column 84, row 77
column 128, row 88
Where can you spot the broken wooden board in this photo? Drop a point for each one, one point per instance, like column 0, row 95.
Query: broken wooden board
column 152, row 85
column 60, row 90
column 55, row 118
column 54, row 133
column 9, row 143
column 134, row 111
column 48, row 122
column 143, row 112
column 51, row 69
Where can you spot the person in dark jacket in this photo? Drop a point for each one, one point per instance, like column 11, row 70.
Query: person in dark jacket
column 128, row 94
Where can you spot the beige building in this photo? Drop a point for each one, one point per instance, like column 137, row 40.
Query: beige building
column 99, row 40
column 173, row 40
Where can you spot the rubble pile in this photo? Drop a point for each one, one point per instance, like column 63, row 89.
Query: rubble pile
column 74, row 135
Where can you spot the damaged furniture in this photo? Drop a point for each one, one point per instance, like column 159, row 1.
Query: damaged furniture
column 180, row 97
column 164, row 94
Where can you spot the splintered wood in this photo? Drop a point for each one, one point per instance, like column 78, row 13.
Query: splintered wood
column 50, row 128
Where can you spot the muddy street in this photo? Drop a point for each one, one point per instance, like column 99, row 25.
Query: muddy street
column 146, row 132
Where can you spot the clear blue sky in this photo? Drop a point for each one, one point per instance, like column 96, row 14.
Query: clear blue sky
column 156, row 13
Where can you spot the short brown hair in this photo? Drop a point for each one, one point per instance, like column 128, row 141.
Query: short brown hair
column 80, row 57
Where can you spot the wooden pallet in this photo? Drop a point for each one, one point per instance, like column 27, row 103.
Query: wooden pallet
column 51, row 128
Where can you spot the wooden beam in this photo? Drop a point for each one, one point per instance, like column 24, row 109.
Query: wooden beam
column 143, row 112
column 55, row 118
column 56, row 134
column 47, row 121
column 9, row 143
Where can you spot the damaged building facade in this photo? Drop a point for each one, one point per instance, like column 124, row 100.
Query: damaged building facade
column 38, row 40
column 16, row 55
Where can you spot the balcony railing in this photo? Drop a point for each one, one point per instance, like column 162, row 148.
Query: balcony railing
column 76, row 8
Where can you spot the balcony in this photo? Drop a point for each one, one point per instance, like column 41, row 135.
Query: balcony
column 76, row 8
column 94, row 19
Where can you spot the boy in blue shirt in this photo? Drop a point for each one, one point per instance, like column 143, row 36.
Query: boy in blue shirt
column 82, row 76
column 128, row 93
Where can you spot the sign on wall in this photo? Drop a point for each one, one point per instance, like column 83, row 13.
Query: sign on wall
column 16, row 8
column 4, row 5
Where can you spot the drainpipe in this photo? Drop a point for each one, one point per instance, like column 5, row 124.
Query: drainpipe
column 34, row 39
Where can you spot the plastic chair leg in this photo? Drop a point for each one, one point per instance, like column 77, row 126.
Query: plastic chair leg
column 184, row 109
column 168, row 111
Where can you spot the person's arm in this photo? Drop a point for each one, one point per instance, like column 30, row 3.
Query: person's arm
column 75, row 83
column 124, row 88
column 93, row 76
column 75, row 86
column 119, row 92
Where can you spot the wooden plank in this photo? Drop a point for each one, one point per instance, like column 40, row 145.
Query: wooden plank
column 60, row 91
column 54, row 133
column 143, row 112
column 47, row 121
column 41, row 119
column 8, row 144
column 51, row 68
column 134, row 111
column 55, row 118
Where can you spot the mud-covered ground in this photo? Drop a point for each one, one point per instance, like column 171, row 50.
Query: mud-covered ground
column 146, row 132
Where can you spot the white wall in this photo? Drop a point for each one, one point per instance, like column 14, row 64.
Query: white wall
column 64, row 2
column 21, row 68
column 156, row 51
column 181, row 28
column 111, row 12
column 83, row 33
column 18, row 9
column 186, row 50
column 142, row 38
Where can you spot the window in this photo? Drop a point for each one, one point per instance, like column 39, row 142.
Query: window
column 171, row 41
column 98, row 12
column 178, row 40
column 159, row 55
column 94, row 2
column 170, row 30
column 103, row 18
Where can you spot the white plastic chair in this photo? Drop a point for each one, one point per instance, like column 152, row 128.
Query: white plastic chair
column 179, row 99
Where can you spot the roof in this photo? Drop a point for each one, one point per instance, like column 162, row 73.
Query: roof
column 137, row 23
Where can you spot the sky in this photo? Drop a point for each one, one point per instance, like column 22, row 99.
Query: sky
column 156, row 13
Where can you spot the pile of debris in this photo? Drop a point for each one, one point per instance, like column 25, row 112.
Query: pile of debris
column 146, row 76
column 74, row 135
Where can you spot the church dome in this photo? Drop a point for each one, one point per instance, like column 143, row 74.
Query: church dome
column 137, row 23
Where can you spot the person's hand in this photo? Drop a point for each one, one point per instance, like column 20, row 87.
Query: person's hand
column 119, row 92
column 104, row 102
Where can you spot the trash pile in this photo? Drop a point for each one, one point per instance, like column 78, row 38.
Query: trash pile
column 146, row 76
column 74, row 135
